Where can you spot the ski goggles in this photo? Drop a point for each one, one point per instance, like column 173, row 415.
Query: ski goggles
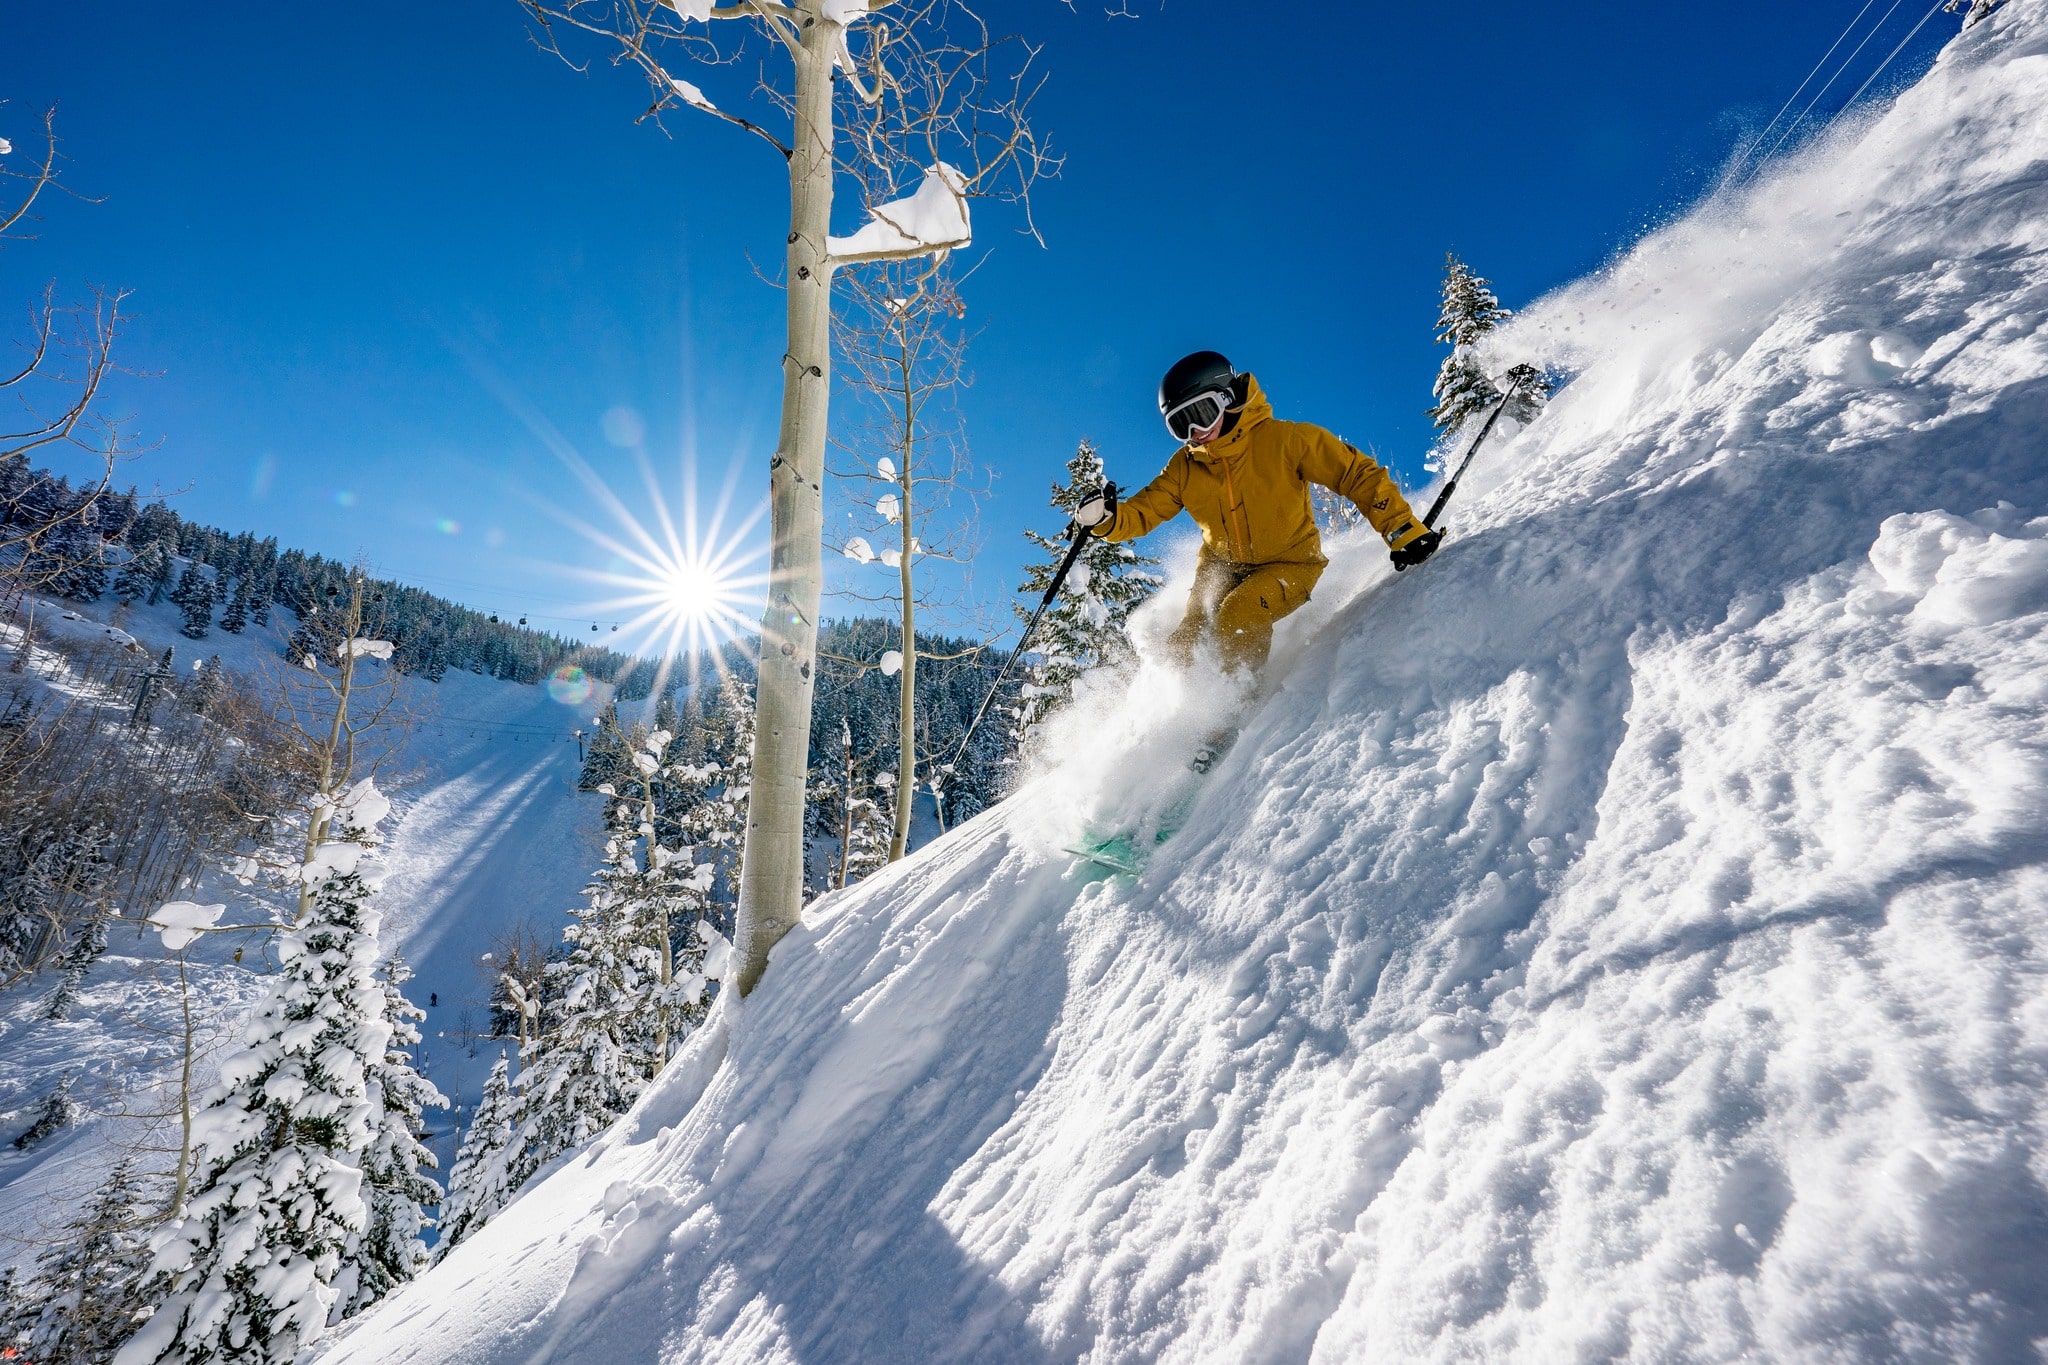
column 1199, row 413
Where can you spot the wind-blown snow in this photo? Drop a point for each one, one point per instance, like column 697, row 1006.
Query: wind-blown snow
column 1622, row 938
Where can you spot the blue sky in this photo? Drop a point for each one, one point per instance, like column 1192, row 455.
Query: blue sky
column 379, row 251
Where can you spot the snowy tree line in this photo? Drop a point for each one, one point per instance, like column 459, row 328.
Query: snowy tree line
column 300, row 1192
column 84, row 543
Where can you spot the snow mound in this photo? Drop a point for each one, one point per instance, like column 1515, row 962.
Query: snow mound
column 1623, row 938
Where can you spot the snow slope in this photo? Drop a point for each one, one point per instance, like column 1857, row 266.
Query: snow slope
column 1622, row 939
column 489, row 832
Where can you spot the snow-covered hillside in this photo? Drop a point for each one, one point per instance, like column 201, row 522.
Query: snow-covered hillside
column 490, row 831
column 1622, row 938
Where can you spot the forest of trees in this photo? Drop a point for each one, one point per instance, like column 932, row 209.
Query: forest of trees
column 90, row 541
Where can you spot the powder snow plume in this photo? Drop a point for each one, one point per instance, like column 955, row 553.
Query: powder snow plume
column 1621, row 939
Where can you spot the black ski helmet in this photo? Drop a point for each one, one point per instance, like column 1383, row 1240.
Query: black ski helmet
column 1202, row 372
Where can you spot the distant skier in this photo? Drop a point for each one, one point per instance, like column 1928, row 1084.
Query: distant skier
column 1243, row 475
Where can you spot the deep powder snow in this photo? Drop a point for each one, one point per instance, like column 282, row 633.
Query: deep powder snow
column 1623, row 938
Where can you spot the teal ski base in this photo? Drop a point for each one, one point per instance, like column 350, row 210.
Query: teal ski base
column 1125, row 852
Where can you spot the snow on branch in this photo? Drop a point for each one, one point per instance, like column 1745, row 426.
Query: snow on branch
column 691, row 95
column 933, row 219
column 182, row 921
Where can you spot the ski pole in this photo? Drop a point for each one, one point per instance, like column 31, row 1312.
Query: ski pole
column 1471, row 450
column 1052, row 590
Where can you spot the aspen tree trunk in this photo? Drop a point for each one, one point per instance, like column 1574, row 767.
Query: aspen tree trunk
column 772, row 867
column 846, row 809
column 906, row 682
column 183, row 1189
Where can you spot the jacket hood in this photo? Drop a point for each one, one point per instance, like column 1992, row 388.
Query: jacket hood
column 1254, row 410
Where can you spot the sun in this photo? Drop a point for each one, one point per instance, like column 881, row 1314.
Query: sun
column 700, row 600
column 685, row 581
column 698, row 595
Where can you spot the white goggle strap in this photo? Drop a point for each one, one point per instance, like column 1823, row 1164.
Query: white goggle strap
column 1222, row 398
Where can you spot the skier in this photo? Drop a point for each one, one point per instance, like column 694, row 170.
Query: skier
column 1243, row 475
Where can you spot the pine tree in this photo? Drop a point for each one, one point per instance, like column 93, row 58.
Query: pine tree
column 869, row 825
column 87, row 943
column 1468, row 313
column 304, row 648
column 600, row 1055
column 87, row 1284
column 235, row 618
column 58, row 1112
column 144, row 575
column 718, row 823
column 608, row 757
column 399, row 1192
column 209, row 687
column 1084, row 627
column 70, row 562
column 194, row 597
column 482, row 1181
column 278, row 1207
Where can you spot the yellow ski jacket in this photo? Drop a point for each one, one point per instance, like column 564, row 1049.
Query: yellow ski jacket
column 1248, row 490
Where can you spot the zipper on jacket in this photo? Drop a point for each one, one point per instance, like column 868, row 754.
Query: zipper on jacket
column 1239, row 553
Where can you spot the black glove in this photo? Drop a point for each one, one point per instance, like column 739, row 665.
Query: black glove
column 1416, row 550
column 1098, row 509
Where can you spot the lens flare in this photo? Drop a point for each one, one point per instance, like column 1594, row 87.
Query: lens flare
column 569, row 685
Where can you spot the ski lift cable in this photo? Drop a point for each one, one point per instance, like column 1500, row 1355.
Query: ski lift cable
column 1742, row 158
column 1793, row 127
column 1888, row 60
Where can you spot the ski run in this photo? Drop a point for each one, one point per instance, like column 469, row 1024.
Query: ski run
column 1624, row 937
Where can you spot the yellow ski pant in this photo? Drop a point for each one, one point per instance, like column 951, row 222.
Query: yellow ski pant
column 1240, row 603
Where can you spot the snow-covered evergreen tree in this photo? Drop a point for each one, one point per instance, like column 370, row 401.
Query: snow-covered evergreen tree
column 208, row 686
column 234, row 618
column 146, row 574
column 87, row 1285
column 600, row 1055
column 88, row 941
column 1470, row 311
column 265, row 591
column 69, row 562
column 57, row 1112
column 278, row 1205
column 1084, row 627
column 869, row 823
column 607, row 759
column 717, row 824
column 305, row 646
column 1334, row 512
column 394, row 1168
column 485, row 1175
column 194, row 597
